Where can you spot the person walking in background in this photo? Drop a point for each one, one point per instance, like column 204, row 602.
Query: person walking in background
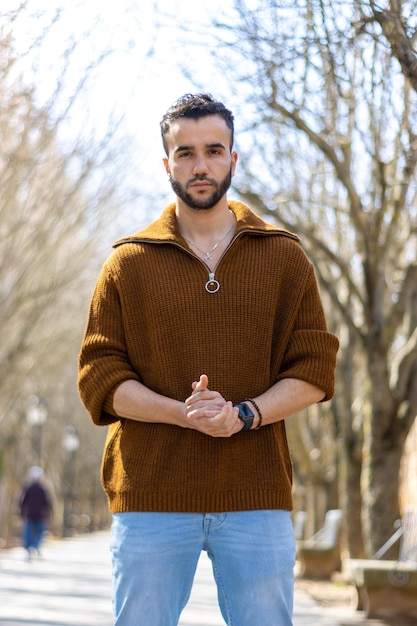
column 205, row 332
column 36, row 510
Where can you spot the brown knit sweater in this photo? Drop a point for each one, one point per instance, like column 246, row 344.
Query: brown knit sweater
column 152, row 320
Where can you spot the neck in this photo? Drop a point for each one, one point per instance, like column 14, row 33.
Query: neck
column 204, row 225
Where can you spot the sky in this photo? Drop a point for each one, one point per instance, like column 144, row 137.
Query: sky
column 144, row 45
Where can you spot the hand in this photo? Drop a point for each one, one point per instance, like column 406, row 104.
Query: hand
column 208, row 412
column 203, row 398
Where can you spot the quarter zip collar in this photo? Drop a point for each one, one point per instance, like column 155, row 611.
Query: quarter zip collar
column 165, row 228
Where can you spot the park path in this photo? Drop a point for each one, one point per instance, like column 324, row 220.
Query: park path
column 71, row 586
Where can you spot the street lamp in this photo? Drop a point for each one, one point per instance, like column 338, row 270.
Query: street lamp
column 36, row 416
column 70, row 443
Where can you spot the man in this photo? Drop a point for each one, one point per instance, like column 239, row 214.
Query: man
column 35, row 509
column 205, row 332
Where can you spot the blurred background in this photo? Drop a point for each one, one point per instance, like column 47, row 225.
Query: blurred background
column 324, row 95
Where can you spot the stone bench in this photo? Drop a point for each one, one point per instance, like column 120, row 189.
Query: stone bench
column 386, row 588
column 319, row 556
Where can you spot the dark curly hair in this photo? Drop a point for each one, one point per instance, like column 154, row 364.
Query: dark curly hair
column 195, row 106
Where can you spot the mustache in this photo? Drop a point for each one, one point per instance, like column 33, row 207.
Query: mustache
column 200, row 178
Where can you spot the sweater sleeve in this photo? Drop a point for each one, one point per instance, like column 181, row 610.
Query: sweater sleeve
column 103, row 360
column 311, row 350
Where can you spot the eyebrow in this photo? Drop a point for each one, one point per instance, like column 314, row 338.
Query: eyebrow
column 210, row 145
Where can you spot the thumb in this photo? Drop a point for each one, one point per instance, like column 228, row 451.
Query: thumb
column 202, row 383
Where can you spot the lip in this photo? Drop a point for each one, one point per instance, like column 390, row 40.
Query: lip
column 201, row 184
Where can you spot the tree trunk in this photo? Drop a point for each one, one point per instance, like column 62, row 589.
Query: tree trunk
column 350, row 418
column 380, row 495
column 382, row 451
column 352, row 505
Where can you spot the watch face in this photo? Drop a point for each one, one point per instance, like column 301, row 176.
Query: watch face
column 245, row 412
column 246, row 416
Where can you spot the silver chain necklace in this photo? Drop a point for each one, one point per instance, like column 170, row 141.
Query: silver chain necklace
column 207, row 255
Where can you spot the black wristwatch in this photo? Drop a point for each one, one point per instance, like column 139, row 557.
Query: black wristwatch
column 246, row 415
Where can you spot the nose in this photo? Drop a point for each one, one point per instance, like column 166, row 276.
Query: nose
column 200, row 166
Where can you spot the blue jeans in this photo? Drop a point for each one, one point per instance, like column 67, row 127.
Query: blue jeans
column 33, row 532
column 155, row 555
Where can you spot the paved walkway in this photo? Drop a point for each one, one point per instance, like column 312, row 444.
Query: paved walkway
column 71, row 586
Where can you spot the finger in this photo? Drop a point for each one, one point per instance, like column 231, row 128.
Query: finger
column 202, row 384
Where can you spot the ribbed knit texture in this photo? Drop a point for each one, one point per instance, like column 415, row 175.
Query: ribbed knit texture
column 152, row 320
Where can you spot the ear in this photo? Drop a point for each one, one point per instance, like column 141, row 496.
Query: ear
column 234, row 156
column 165, row 162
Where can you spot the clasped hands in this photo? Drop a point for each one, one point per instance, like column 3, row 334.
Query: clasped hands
column 208, row 412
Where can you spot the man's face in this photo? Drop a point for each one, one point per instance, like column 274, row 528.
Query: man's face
column 199, row 163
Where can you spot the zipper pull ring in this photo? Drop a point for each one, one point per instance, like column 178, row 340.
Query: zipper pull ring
column 212, row 285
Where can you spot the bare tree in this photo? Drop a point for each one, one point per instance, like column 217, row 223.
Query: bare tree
column 62, row 185
column 395, row 19
column 332, row 156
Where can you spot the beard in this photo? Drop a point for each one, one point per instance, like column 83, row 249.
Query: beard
column 205, row 203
